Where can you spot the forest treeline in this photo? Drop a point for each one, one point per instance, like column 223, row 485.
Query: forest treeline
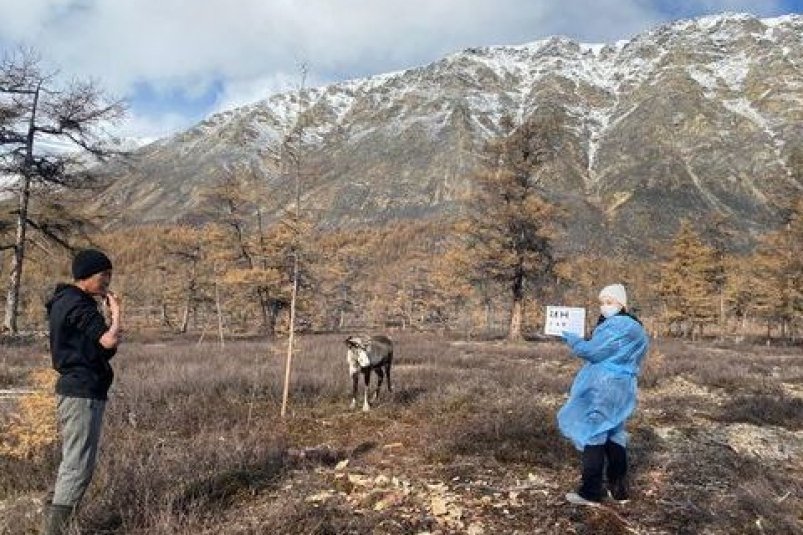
column 427, row 275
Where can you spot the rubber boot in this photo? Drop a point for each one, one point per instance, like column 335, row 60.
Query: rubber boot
column 57, row 519
column 593, row 467
column 617, row 471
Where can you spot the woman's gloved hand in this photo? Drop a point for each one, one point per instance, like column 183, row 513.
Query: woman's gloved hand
column 570, row 338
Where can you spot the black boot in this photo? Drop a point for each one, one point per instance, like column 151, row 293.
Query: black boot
column 617, row 471
column 57, row 519
column 593, row 466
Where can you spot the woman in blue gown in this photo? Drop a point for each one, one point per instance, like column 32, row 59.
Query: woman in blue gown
column 603, row 396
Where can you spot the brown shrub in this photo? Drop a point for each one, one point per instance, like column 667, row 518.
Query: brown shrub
column 525, row 433
column 764, row 409
column 32, row 428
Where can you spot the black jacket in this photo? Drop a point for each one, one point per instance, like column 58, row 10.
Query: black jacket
column 76, row 326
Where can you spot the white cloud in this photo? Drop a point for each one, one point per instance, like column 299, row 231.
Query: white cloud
column 178, row 42
column 150, row 128
column 240, row 91
column 250, row 48
column 21, row 22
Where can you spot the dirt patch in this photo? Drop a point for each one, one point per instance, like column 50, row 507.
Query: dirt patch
column 764, row 443
column 794, row 390
column 680, row 386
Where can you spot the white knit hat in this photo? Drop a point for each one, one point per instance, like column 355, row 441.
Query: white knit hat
column 616, row 292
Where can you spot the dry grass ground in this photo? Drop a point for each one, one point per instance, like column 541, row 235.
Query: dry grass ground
column 467, row 443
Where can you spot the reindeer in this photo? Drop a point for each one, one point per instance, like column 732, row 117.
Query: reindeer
column 364, row 355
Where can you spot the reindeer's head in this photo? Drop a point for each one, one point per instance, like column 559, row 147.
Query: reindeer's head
column 355, row 342
column 357, row 354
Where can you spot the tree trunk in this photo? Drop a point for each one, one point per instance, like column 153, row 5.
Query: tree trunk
column 185, row 318
column 164, row 320
column 219, row 315
column 514, row 332
column 13, row 297
column 274, row 307
column 264, row 314
column 291, row 339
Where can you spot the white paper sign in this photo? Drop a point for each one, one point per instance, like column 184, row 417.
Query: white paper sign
column 561, row 319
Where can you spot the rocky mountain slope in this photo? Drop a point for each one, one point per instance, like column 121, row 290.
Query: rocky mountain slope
column 691, row 119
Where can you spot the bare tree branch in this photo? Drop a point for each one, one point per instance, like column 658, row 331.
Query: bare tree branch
column 35, row 108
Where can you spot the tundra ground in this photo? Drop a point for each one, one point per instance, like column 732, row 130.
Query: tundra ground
column 466, row 443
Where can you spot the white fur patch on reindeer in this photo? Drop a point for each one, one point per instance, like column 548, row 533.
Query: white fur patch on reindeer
column 362, row 358
column 357, row 358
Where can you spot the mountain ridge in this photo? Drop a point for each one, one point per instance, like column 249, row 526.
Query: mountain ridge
column 693, row 117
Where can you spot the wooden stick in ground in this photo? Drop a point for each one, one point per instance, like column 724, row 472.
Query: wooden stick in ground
column 290, row 339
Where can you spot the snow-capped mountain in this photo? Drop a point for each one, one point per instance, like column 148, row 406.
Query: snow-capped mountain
column 692, row 118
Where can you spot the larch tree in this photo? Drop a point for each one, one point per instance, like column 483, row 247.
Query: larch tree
column 718, row 233
column 688, row 281
column 741, row 294
column 582, row 275
column 240, row 247
column 37, row 113
column 181, row 264
column 509, row 225
column 778, row 272
column 454, row 288
column 337, row 264
column 291, row 158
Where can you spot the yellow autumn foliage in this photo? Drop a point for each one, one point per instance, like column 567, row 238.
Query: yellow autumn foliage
column 32, row 427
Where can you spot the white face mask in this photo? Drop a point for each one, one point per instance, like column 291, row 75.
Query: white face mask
column 609, row 310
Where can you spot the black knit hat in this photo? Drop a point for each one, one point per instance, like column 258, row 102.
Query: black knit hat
column 88, row 262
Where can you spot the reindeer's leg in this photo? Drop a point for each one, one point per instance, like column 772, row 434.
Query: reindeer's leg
column 380, row 375
column 387, row 374
column 367, row 375
column 355, row 378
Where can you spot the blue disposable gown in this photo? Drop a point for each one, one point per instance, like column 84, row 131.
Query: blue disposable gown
column 603, row 394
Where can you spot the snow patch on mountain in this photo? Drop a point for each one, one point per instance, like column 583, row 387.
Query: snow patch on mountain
column 732, row 70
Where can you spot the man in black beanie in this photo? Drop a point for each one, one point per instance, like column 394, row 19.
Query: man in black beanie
column 81, row 345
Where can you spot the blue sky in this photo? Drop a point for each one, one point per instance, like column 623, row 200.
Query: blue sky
column 178, row 61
